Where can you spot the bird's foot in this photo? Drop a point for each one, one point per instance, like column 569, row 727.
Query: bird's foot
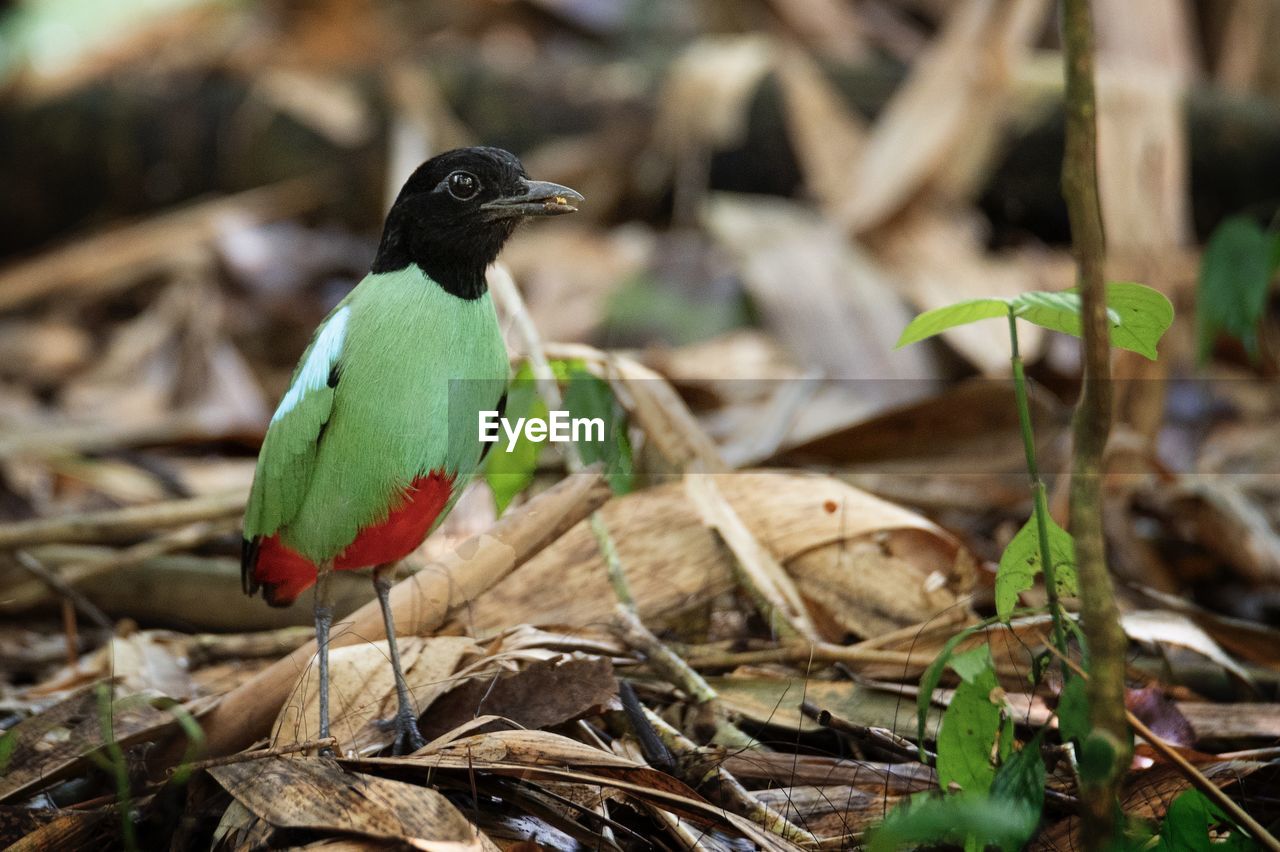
column 408, row 737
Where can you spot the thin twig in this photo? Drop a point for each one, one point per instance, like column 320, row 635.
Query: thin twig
column 508, row 295
column 882, row 737
column 60, row 587
column 802, row 652
column 244, row 756
column 629, row 628
column 737, row 798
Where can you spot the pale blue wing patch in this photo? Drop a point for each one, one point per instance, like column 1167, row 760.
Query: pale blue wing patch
column 314, row 373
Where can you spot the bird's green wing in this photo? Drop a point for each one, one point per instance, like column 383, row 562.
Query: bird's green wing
column 288, row 455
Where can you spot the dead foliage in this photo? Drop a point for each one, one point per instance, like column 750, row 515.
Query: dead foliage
column 814, row 513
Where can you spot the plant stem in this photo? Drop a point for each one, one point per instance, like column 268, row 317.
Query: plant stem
column 1100, row 615
column 1038, row 491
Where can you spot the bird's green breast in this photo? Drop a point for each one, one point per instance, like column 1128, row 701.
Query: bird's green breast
column 415, row 366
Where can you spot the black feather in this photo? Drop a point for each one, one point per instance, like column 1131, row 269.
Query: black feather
column 249, row 561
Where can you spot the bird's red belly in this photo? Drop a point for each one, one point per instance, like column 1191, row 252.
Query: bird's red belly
column 285, row 573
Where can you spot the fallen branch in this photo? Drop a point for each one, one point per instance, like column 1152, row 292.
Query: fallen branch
column 120, row 524
column 25, row 595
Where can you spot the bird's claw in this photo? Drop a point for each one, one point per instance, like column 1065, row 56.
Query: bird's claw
column 408, row 737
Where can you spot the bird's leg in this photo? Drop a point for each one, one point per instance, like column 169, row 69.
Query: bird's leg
column 408, row 737
column 324, row 619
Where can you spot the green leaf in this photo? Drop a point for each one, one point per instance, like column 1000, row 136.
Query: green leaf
column 8, row 743
column 1021, row 778
column 1073, row 710
column 939, row 320
column 510, row 472
column 1188, row 821
column 970, row 728
column 1056, row 311
column 589, row 396
column 1020, row 564
column 1144, row 314
column 1139, row 315
column 1235, row 276
column 933, row 674
column 931, row 819
column 972, row 663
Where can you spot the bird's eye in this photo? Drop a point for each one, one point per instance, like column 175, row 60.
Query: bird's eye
column 463, row 185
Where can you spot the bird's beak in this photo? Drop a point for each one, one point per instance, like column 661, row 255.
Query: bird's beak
column 535, row 198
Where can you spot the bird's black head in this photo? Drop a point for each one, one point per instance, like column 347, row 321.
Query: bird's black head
column 455, row 212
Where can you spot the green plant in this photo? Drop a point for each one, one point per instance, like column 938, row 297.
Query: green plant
column 1240, row 261
column 111, row 759
column 509, row 467
column 1001, row 789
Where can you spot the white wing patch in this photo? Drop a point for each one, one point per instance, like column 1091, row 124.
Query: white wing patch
column 315, row 371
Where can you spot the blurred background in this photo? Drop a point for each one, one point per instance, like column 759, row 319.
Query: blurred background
column 774, row 188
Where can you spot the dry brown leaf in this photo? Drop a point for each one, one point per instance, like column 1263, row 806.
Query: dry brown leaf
column 102, row 263
column 1246, row 639
column 240, row 828
column 43, row 352
column 318, row 795
column 959, row 448
column 674, row 564
column 830, row 27
column 142, row 662
column 55, row 743
column 827, row 301
column 1149, row 794
column 934, row 115
column 523, row 747
column 703, row 102
column 542, row 755
column 757, row 568
column 829, row 811
column 362, row 690
column 1145, row 61
column 568, row 274
column 937, row 254
column 826, row 134
column 1165, row 627
column 542, row 695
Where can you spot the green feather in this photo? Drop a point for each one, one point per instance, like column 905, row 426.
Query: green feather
column 416, row 365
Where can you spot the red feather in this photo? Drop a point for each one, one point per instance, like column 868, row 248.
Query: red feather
column 284, row 573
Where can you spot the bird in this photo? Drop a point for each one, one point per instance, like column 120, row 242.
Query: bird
column 375, row 437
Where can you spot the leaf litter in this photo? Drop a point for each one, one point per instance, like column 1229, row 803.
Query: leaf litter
column 802, row 531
